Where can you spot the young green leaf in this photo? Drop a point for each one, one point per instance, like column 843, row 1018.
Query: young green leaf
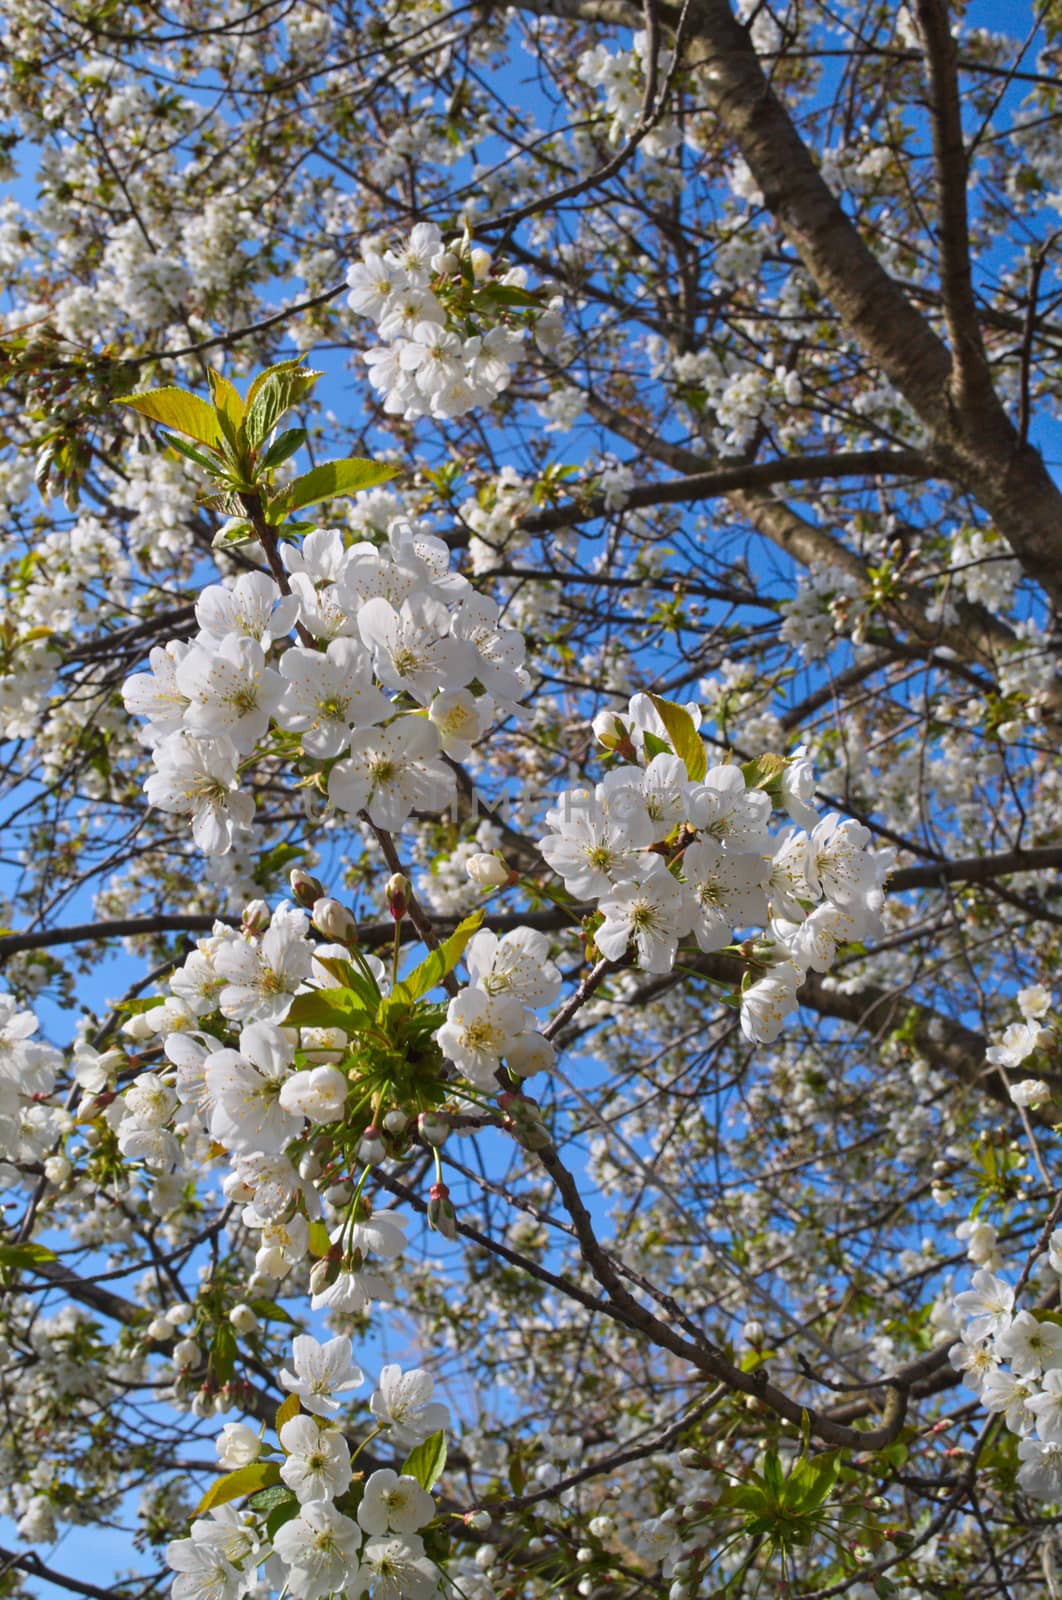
column 285, row 1411
column 183, row 448
column 764, row 772
column 269, row 1311
column 685, row 740
column 283, row 448
column 282, row 1512
column 278, row 1494
column 320, row 1243
column 235, row 1485
column 427, row 1460
column 226, row 398
column 331, row 478
column 269, row 405
column 303, row 378
column 433, row 970
column 507, row 294
column 177, row 409
column 328, row 1008
column 223, row 1350
column 22, row 1257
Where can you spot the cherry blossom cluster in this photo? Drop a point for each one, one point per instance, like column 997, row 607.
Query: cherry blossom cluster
column 494, row 1016
column 323, row 1530
column 399, row 663
column 30, row 1126
column 666, row 857
column 1010, row 1357
column 621, row 75
column 449, row 330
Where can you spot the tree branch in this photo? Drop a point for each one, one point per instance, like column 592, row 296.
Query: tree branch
column 972, row 384
column 723, row 480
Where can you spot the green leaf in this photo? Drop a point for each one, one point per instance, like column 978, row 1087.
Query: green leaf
column 285, row 1411
column 744, row 1497
column 135, row 1008
column 23, row 1257
column 271, row 1312
column 305, row 375
column 655, row 746
column 427, row 1460
column 772, row 1474
column 223, row 1351
column 348, row 977
column 183, row 448
column 283, row 446
column 177, row 409
column 764, row 771
column 810, row 1482
column 320, row 1243
column 275, row 860
column 270, row 403
column 431, row 972
column 685, row 740
column 282, row 1512
column 507, row 294
column 328, row 1008
column 226, row 399
column 235, row 1485
column 329, row 479
column 278, row 1494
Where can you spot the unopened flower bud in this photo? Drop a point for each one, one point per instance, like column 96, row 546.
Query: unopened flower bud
column 243, row 1319
column 372, row 1148
column 237, row 1446
column 397, row 895
column 186, row 1353
column 304, row 888
column 139, row 1027
column 524, row 1121
column 203, row 1404
column 432, row 1129
column 441, row 1214
column 396, row 1122
column 486, row 871
column 479, row 1521
column 234, row 1188
column 334, row 920
column 609, row 731
column 159, row 1328
column 754, row 1333
column 256, row 917
column 323, row 1273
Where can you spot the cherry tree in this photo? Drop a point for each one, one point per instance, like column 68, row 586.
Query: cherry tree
column 528, row 1048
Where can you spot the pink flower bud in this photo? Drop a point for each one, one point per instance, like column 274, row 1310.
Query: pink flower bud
column 441, row 1214
column 432, row 1129
column 372, row 1149
column 397, row 893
